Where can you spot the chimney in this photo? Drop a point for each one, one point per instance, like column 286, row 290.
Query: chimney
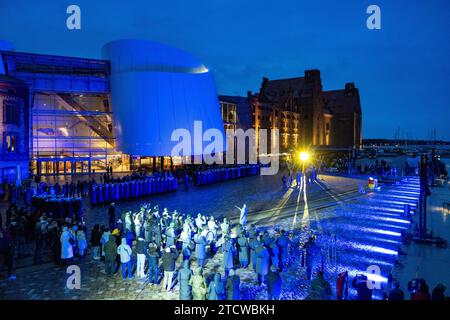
column 312, row 74
column 349, row 87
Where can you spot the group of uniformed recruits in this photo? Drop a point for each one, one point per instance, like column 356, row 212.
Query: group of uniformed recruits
column 58, row 207
column 222, row 174
column 112, row 192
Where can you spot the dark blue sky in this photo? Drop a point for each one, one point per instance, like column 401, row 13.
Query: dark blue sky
column 403, row 70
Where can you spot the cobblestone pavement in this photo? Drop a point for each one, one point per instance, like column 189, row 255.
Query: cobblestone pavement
column 332, row 206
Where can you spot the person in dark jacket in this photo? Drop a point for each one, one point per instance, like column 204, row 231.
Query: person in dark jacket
column 283, row 245
column 232, row 286
column 438, row 292
column 95, row 241
column 153, row 263
column 110, row 249
column 168, row 262
column 184, row 275
column 274, row 283
column 7, row 251
column 396, row 294
column 39, row 242
column 112, row 216
column 360, row 284
column 320, row 288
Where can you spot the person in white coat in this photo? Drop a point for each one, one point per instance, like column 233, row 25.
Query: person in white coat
column 67, row 239
column 212, row 226
column 138, row 224
column 128, row 221
column 140, row 254
column 225, row 227
column 200, row 221
column 243, row 215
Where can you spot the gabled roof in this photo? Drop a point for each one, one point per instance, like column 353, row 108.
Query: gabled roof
column 279, row 90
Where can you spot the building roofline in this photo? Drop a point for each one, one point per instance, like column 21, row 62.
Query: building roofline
column 52, row 56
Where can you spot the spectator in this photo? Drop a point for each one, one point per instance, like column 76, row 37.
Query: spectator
column 360, row 284
column 184, row 276
column 153, row 262
column 125, row 253
column 320, row 288
column 233, row 283
column 274, row 282
column 168, row 261
column 67, row 240
column 95, row 242
column 110, row 253
column 198, row 284
column 422, row 292
column 396, row 294
column 140, row 253
column 438, row 292
column 216, row 289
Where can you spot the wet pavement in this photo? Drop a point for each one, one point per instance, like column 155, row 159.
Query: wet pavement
column 362, row 229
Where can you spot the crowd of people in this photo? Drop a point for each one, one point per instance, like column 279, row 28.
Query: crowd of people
column 309, row 176
column 213, row 175
column 150, row 243
column 28, row 226
column 170, row 249
column 131, row 187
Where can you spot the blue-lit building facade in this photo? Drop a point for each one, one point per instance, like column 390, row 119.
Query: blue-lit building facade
column 72, row 126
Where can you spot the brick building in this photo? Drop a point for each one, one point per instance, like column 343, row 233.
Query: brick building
column 304, row 114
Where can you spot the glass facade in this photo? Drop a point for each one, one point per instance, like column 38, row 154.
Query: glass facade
column 70, row 113
column 72, row 133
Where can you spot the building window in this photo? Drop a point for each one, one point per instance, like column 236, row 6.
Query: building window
column 10, row 143
column 11, row 112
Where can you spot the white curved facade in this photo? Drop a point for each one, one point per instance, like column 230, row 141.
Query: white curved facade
column 155, row 90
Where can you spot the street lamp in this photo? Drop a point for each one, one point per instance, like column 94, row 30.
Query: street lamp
column 304, row 156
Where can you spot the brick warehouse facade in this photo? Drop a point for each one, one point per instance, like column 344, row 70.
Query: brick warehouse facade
column 304, row 114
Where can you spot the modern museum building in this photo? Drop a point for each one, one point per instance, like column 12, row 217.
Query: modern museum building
column 68, row 115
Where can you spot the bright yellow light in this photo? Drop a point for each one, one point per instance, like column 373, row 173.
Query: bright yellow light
column 304, row 156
